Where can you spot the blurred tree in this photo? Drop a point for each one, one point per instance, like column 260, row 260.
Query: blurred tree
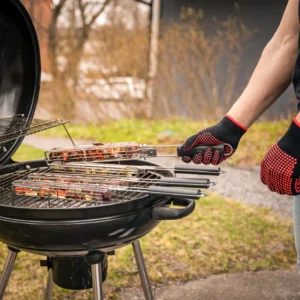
column 68, row 32
column 88, row 44
column 64, row 30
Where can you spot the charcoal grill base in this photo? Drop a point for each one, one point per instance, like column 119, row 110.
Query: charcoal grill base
column 96, row 260
column 74, row 273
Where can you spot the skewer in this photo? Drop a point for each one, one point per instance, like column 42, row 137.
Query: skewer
column 101, row 192
column 97, row 168
column 122, row 180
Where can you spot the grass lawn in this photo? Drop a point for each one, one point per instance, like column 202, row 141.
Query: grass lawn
column 252, row 148
column 221, row 236
column 26, row 152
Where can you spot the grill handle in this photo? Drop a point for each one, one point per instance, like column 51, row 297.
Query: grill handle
column 166, row 213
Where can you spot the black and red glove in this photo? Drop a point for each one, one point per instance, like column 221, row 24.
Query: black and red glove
column 228, row 131
column 280, row 169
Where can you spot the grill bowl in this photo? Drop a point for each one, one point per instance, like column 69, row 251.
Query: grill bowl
column 78, row 235
column 82, row 229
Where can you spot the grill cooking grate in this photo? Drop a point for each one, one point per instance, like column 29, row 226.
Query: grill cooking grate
column 12, row 128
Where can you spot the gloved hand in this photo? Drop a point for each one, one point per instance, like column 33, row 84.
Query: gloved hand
column 228, row 131
column 280, row 169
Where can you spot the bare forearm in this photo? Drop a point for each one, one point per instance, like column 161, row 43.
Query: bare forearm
column 273, row 73
column 270, row 79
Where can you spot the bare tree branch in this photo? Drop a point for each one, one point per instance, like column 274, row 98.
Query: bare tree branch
column 82, row 8
column 53, row 36
column 59, row 6
column 97, row 14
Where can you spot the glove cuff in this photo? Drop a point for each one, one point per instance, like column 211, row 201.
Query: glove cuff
column 228, row 131
column 232, row 127
column 290, row 142
column 296, row 122
column 294, row 131
column 236, row 123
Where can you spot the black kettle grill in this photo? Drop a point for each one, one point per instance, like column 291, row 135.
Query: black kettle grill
column 69, row 232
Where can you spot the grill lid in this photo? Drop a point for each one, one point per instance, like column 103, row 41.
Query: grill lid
column 20, row 68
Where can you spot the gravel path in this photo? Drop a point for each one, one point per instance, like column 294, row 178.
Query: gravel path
column 238, row 183
column 244, row 185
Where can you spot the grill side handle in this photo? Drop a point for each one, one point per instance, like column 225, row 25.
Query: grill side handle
column 166, row 213
column 22, row 166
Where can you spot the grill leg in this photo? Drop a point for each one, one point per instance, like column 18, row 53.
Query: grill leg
column 8, row 267
column 97, row 281
column 297, row 227
column 95, row 259
column 50, row 286
column 149, row 290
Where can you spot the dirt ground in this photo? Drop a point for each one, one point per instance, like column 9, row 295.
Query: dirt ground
column 265, row 285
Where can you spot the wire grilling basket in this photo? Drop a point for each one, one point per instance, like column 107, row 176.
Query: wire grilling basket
column 123, row 180
column 126, row 150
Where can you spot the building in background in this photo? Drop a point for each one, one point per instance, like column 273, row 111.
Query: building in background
column 264, row 15
column 41, row 14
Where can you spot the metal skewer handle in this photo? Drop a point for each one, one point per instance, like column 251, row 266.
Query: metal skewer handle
column 153, row 151
column 130, row 150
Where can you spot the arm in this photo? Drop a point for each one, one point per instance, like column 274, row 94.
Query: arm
column 273, row 73
column 270, row 79
column 280, row 169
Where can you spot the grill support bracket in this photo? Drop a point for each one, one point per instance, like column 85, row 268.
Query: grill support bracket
column 95, row 258
column 97, row 281
column 50, row 286
column 149, row 290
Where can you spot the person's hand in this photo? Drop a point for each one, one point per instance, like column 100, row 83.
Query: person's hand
column 228, row 131
column 280, row 169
